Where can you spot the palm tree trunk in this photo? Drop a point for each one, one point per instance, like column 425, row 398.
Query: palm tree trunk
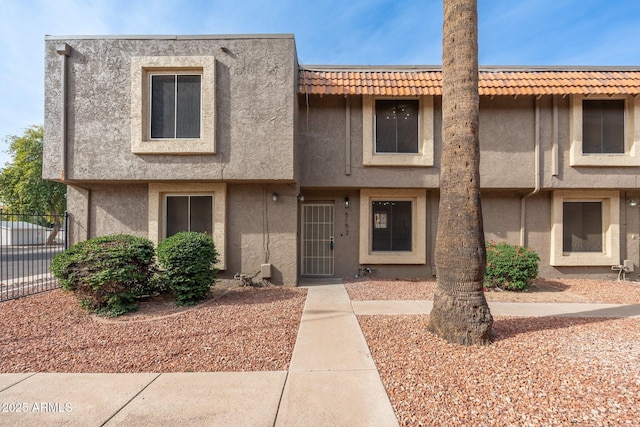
column 460, row 312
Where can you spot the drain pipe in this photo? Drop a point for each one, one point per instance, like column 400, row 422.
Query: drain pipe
column 536, row 174
column 64, row 50
column 347, row 148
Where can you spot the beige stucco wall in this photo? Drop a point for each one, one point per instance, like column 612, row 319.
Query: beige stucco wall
column 260, row 230
column 257, row 230
column 103, row 209
column 325, row 146
column 255, row 102
column 78, row 204
column 508, row 130
column 502, row 215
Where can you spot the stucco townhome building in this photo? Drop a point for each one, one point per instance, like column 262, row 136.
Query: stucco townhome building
column 320, row 171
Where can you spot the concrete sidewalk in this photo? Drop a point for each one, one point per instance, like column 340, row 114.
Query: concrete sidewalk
column 332, row 379
column 520, row 309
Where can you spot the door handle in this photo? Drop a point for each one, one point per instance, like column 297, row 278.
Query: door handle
column 331, row 243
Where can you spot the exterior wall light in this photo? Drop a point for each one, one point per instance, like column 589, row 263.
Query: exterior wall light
column 301, row 197
column 633, row 203
column 274, row 197
column 346, row 203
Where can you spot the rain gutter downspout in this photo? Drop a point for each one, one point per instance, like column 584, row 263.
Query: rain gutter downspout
column 64, row 50
column 536, row 174
column 347, row 148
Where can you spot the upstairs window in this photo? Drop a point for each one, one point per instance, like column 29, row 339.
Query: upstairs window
column 582, row 226
column 603, row 126
column 398, row 131
column 605, row 131
column 397, row 126
column 175, row 106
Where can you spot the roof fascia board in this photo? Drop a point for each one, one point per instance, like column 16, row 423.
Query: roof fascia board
column 171, row 37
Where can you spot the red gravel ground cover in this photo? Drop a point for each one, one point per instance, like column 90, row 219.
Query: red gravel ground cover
column 247, row 329
column 541, row 290
column 539, row 371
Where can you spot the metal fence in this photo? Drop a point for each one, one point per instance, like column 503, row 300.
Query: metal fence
column 28, row 243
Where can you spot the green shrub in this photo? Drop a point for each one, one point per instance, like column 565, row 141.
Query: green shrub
column 106, row 273
column 186, row 260
column 510, row 267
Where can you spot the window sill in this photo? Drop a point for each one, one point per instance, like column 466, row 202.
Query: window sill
column 583, row 259
column 603, row 160
column 399, row 159
column 174, row 146
column 392, row 258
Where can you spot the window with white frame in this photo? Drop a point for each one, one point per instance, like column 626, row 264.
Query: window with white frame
column 173, row 105
column 605, row 131
column 392, row 226
column 188, row 213
column 585, row 228
column 397, row 131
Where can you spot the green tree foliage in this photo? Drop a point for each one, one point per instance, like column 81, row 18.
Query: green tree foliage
column 22, row 189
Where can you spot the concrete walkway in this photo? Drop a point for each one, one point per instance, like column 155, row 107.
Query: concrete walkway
column 332, row 379
column 521, row 309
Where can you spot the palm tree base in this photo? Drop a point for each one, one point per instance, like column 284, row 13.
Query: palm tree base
column 461, row 319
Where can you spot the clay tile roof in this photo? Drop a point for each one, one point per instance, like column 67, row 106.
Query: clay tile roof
column 533, row 81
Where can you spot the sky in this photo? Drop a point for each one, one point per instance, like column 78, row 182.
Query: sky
column 327, row 32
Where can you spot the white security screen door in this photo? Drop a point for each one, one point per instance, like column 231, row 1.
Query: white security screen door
column 317, row 239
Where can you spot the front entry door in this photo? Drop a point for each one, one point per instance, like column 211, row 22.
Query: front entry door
column 317, row 239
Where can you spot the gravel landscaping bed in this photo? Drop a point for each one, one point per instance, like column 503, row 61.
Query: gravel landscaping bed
column 541, row 290
column 539, row 371
column 246, row 329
